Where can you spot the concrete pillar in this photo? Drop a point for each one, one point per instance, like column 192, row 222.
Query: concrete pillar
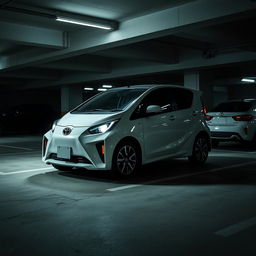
column 191, row 80
column 221, row 94
column 71, row 96
column 200, row 80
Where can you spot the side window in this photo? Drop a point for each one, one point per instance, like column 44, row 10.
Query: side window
column 183, row 97
column 169, row 99
column 160, row 97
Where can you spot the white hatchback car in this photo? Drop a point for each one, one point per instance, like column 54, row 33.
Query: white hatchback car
column 122, row 128
column 233, row 121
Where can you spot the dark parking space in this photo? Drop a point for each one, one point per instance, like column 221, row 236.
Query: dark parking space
column 170, row 207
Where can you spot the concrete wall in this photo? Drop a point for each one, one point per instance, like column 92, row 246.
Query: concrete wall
column 50, row 97
column 242, row 92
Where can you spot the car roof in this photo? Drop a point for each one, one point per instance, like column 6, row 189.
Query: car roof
column 249, row 100
column 149, row 86
column 240, row 100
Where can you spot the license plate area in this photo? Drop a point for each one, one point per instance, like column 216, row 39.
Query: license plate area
column 220, row 120
column 63, row 152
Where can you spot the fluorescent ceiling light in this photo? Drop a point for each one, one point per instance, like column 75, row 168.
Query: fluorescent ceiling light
column 107, row 86
column 83, row 23
column 248, row 80
column 102, row 89
column 88, row 89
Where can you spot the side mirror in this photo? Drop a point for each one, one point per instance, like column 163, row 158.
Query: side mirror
column 154, row 109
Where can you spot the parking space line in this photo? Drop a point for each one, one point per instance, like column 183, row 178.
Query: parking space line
column 21, row 153
column 124, row 187
column 24, row 171
column 233, row 229
column 6, row 146
column 179, row 177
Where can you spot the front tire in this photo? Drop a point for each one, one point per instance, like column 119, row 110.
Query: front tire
column 62, row 168
column 126, row 159
column 200, row 150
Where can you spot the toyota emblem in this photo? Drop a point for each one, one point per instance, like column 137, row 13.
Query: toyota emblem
column 66, row 131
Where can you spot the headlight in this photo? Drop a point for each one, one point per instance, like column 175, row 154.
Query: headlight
column 102, row 127
column 54, row 124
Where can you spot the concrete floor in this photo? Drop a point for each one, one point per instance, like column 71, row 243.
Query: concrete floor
column 170, row 208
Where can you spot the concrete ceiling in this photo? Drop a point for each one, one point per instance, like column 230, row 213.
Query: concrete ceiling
column 152, row 37
column 110, row 9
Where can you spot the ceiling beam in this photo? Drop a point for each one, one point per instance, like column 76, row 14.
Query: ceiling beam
column 88, row 63
column 148, row 51
column 33, row 36
column 158, row 24
column 189, row 60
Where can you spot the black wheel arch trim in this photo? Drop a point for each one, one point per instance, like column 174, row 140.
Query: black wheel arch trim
column 133, row 140
column 205, row 134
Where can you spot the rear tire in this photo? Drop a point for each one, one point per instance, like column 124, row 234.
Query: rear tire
column 200, row 150
column 126, row 159
column 62, row 168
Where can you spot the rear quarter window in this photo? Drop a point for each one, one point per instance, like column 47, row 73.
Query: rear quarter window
column 184, row 98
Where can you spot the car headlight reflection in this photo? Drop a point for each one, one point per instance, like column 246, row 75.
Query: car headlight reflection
column 54, row 125
column 102, row 127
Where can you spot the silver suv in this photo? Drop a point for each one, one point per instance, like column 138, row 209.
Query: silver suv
column 233, row 121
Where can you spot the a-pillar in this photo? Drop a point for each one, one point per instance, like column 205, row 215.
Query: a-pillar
column 71, row 96
column 200, row 81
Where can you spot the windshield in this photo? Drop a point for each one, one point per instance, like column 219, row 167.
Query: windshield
column 233, row 106
column 110, row 101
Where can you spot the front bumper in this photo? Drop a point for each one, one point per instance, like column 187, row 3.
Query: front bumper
column 84, row 148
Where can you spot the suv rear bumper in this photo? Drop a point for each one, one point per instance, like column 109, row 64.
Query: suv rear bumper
column 226, row 136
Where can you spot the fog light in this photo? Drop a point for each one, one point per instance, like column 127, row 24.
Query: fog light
column 101, row 150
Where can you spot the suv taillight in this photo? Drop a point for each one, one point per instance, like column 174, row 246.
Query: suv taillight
column 242, row 117
column 208, row 118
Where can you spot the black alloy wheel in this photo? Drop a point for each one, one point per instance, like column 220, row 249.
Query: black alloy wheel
column 126, row 159
column 200, row 150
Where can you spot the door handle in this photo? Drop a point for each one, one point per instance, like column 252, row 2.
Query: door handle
column 172, row 118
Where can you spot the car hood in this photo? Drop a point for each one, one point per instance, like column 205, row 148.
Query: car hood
column 86, row 120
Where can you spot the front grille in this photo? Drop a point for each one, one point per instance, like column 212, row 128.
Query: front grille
column 73, row 159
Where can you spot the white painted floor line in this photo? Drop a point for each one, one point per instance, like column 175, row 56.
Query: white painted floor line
column 179, row 176
column 24, row 171
column 6, row 146
column 21, row 153
column 123, row 187
column 233, row 154
column 233, row 229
